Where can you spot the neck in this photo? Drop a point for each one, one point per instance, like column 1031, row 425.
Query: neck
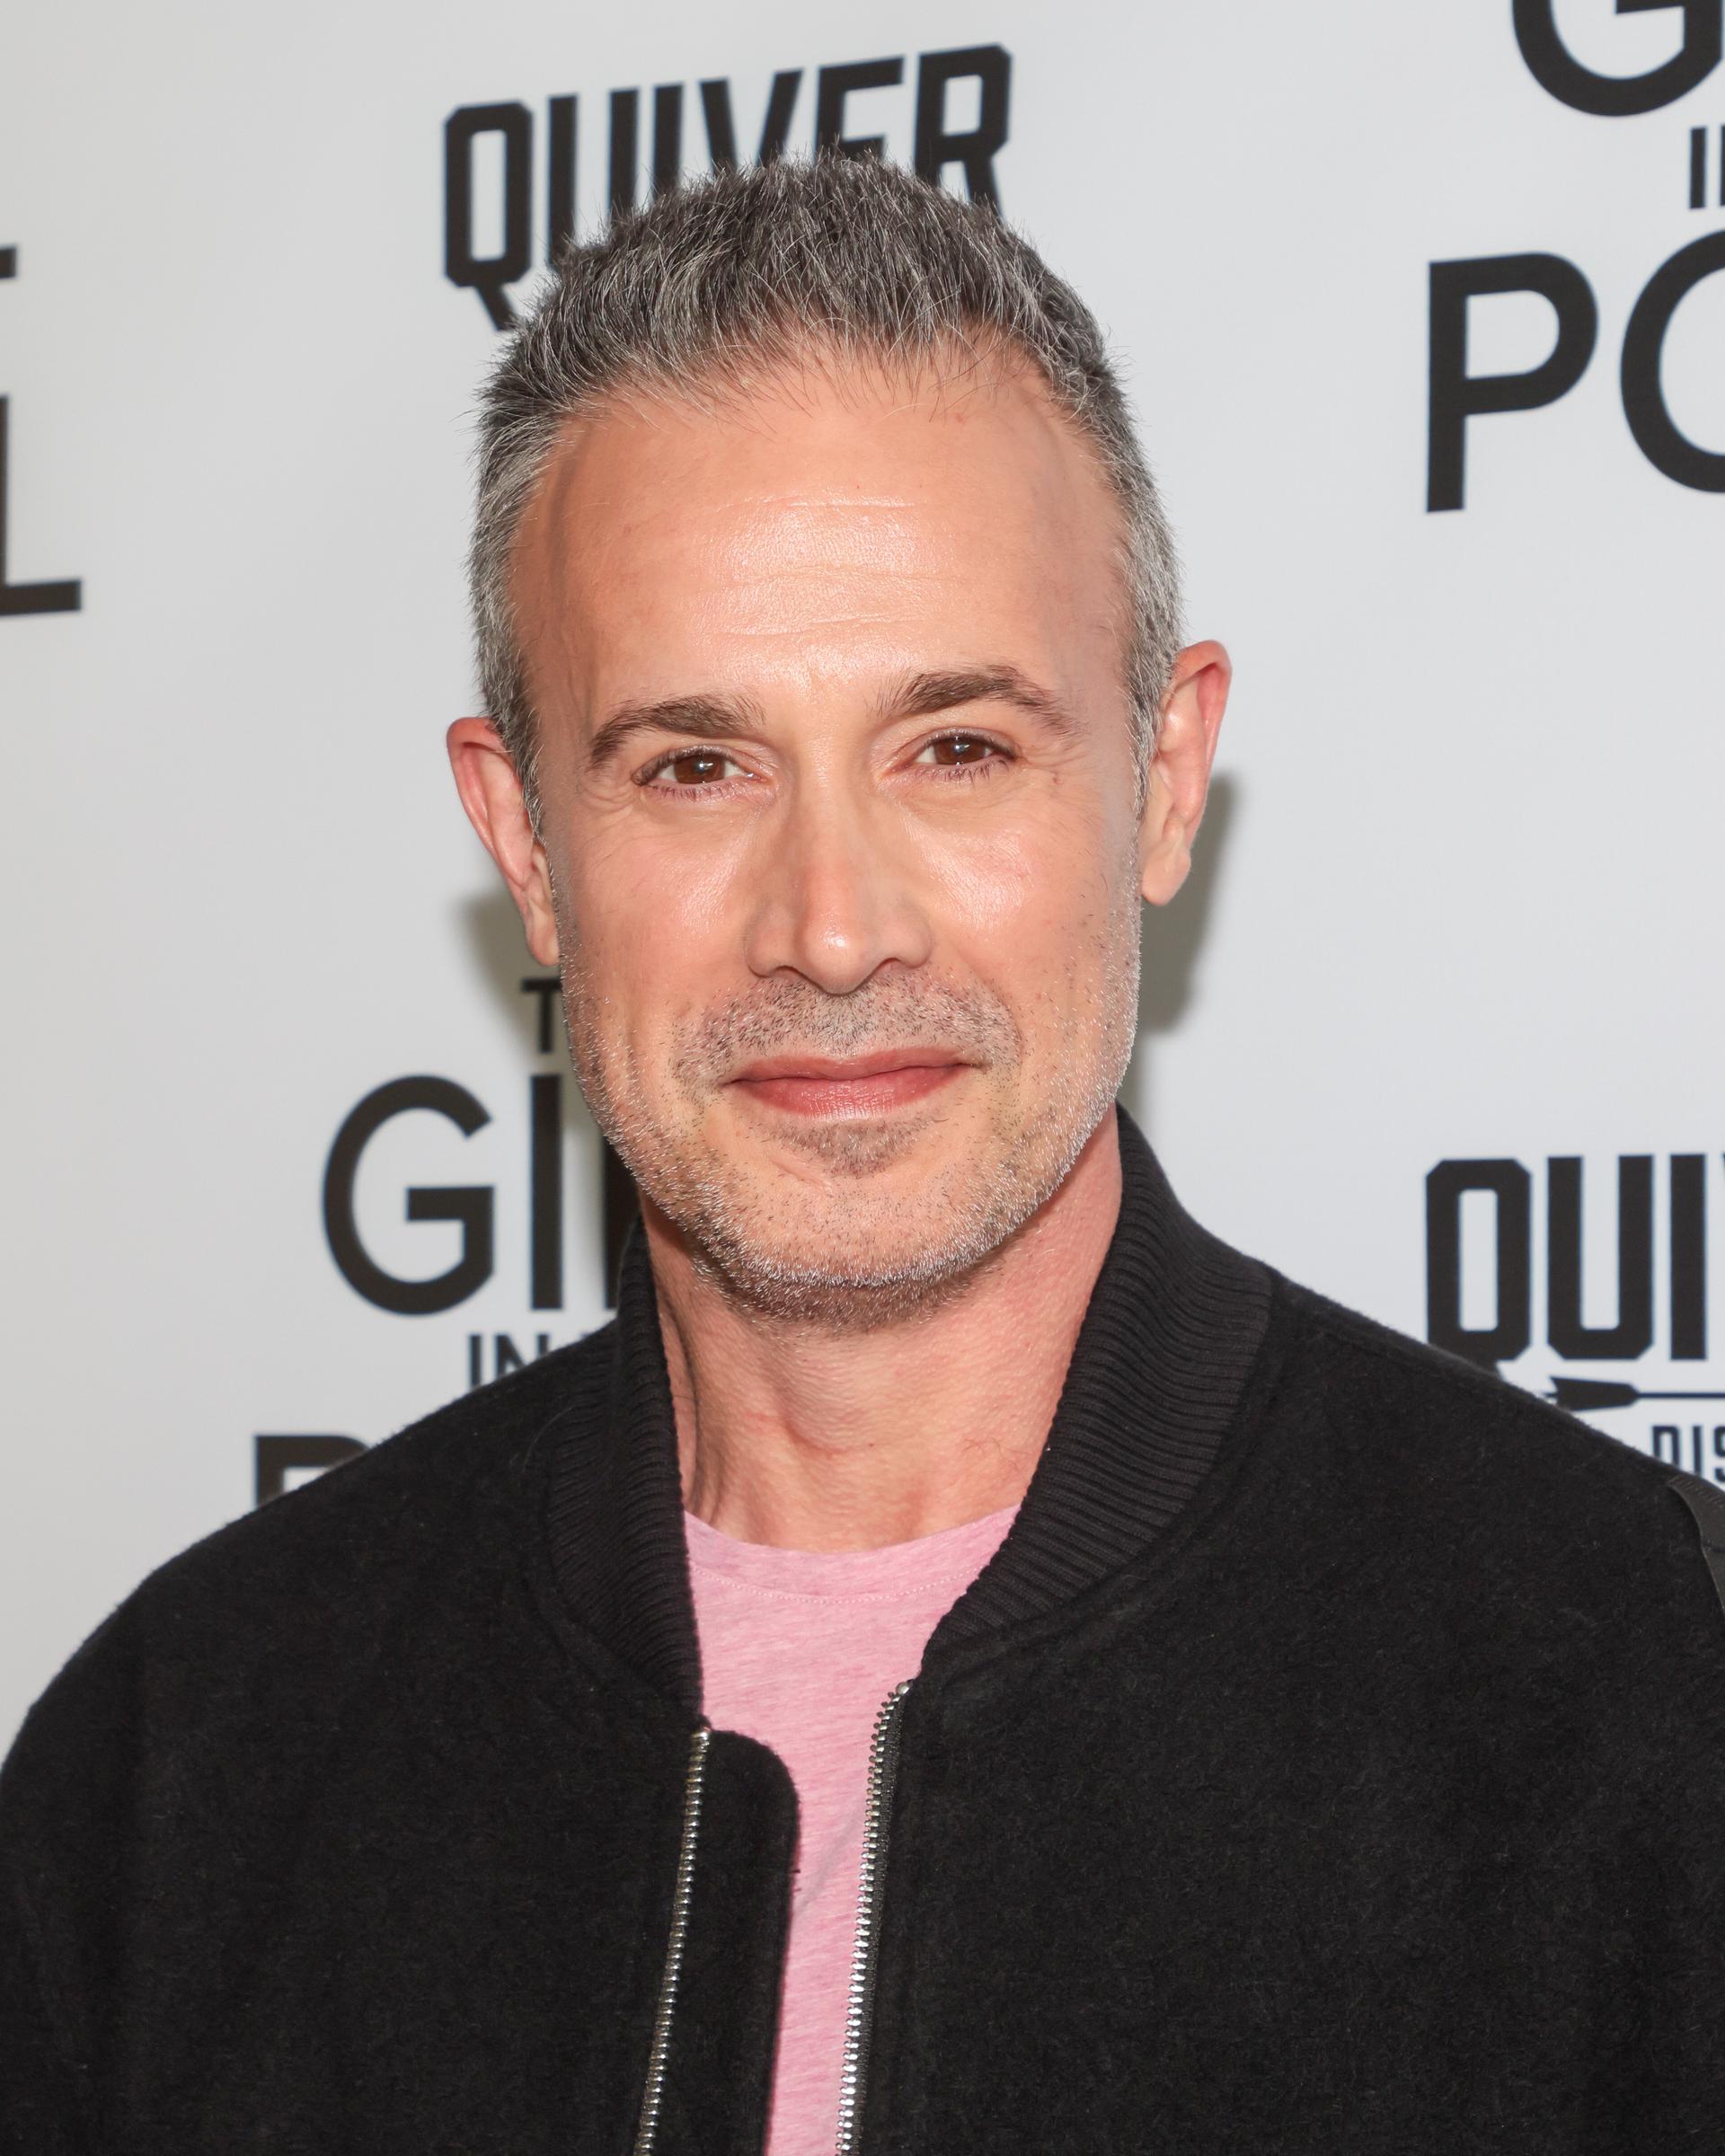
column 806, row 1439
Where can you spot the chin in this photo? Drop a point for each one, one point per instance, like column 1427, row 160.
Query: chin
column 860, row 1288
column 849, row 1254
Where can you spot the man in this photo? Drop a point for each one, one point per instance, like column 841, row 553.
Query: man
column 967, row 1662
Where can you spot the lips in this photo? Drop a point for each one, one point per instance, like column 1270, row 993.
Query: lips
column 849, row 1086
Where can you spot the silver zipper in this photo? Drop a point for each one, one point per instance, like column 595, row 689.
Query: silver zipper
column 883, row 1768
column 653, row 2095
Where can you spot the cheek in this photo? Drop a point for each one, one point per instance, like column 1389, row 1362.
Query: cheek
column 652, row 921
column 1033, row 908
column 985, row 886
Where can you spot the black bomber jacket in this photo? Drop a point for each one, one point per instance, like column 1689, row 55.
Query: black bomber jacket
column 1330, row 1762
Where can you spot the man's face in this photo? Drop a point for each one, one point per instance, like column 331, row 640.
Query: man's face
column 839, row 854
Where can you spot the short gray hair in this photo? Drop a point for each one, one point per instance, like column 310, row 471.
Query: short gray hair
column 721, row 277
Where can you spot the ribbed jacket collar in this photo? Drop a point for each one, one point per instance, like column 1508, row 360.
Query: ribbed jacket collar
column 1173, row 1326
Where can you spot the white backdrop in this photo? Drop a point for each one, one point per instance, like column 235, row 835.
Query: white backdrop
column 1459, row 898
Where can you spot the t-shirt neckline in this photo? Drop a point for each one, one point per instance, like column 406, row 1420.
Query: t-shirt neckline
column 955, row 1551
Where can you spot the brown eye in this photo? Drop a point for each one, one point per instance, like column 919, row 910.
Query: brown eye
column 961, row 749
column 695, row 767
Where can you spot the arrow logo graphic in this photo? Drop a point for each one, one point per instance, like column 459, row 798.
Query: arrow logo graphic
column 1589, row 1395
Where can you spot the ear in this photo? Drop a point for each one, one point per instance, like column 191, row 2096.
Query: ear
column 1179, row 771
column 490, row 794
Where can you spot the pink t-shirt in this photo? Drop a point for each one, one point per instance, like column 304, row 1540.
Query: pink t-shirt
column 798, row 1649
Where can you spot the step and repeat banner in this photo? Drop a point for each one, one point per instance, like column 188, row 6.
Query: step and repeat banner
column 1423, row 312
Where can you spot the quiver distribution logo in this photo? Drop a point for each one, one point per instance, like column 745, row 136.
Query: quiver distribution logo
column 1589, row 1281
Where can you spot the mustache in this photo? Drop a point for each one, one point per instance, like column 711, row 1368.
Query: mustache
column 789, row 1015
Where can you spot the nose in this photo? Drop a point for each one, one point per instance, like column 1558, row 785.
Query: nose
column 837, row 894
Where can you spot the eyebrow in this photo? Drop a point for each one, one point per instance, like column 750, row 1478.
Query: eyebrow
column 704, row 718
column 707, row 717
column 921, row 696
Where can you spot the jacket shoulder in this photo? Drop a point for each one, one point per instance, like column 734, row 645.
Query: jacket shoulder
column 388, row 1510
column 277, row 1608
column 1507, row 1492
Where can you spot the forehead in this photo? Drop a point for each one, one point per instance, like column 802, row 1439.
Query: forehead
column 826, row 522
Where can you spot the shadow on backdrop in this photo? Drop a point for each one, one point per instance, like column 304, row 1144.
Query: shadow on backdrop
column 1173, row 935
column 499, row 949
column 521, row 986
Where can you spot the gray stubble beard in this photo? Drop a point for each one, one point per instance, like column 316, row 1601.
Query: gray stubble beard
column 735, row 1237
